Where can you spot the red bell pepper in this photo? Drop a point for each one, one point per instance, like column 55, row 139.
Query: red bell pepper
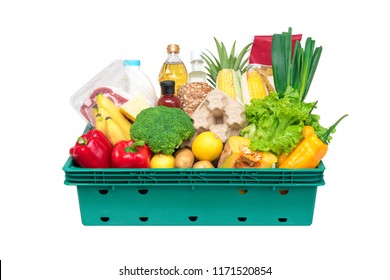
column 92, row 150
column 130, row 154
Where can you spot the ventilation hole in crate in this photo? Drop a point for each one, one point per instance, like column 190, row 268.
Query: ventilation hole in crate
column 143, row 219
column 283, row 192
column 242, row 219
column 103, row 191
column 193, row 218
column 104, row 219
column 282, row 220
column 243, row 191
column 143, row 191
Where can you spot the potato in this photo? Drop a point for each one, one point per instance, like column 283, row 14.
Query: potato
column 184, row 158
column 203, row 164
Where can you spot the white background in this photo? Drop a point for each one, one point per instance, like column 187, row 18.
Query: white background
column 49, row 49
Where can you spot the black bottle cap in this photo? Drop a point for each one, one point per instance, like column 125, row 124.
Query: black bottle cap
column 167, row 87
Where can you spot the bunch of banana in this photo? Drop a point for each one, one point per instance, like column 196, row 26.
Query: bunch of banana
column 110, row 121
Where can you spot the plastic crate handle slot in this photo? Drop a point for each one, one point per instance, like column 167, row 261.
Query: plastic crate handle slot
column 193, row 218
column 104, row 219
column 242, row 219
column 282, row 220
column 282, row 191
column 143, row 191
column 103, row 191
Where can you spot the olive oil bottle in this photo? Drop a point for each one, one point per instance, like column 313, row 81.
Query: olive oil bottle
column 173, row 68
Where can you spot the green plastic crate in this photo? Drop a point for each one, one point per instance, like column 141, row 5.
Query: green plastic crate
column 117, row 196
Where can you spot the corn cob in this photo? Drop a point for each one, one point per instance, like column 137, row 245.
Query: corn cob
column 255, row 84
column 252, row 86
column 229, row 82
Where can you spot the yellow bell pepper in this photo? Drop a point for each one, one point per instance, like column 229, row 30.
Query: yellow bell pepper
column 310, row 151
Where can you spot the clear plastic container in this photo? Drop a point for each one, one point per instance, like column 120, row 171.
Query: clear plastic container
column 114, row 82
column 138, row 82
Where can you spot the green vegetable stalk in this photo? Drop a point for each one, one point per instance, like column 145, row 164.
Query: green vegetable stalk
column 296, row 71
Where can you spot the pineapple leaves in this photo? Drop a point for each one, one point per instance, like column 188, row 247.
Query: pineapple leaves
column 231, row 59
column 244, row 65
column 212, row 83
column 237, row 63
column 212, row 67
column 225, row 60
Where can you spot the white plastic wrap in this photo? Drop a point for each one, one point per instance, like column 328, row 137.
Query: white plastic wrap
column 114, row 82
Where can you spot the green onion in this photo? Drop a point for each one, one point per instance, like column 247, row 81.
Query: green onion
column 296, row 65
column 287, row 36
column 280, row 63
column 313, row 66
column 298, row 71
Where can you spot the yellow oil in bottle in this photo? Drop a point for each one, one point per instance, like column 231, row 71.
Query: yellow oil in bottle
column 174, row 68
column 176, row 72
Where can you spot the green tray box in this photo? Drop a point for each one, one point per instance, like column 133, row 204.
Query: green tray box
column 120, row 197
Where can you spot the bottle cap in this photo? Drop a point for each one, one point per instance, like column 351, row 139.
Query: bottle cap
column 196, row 55
column 173, row 48
column 167, row 87
column 132, row 62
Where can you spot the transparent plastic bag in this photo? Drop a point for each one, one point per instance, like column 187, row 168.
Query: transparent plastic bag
column 113, row 82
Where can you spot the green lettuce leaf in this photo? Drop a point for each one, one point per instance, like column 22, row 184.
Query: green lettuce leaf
column 275, row 123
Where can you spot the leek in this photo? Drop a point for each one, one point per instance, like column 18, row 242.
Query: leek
column 281, row 57
column 293, row 69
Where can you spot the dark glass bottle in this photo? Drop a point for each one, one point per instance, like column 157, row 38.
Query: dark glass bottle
column 168, row 97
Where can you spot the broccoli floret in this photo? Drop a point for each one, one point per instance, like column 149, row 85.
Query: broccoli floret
column 163, row 128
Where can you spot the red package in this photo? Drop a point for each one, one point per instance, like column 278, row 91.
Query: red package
column 261, row 52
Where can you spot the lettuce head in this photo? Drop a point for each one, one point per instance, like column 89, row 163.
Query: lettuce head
column 275, row 124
